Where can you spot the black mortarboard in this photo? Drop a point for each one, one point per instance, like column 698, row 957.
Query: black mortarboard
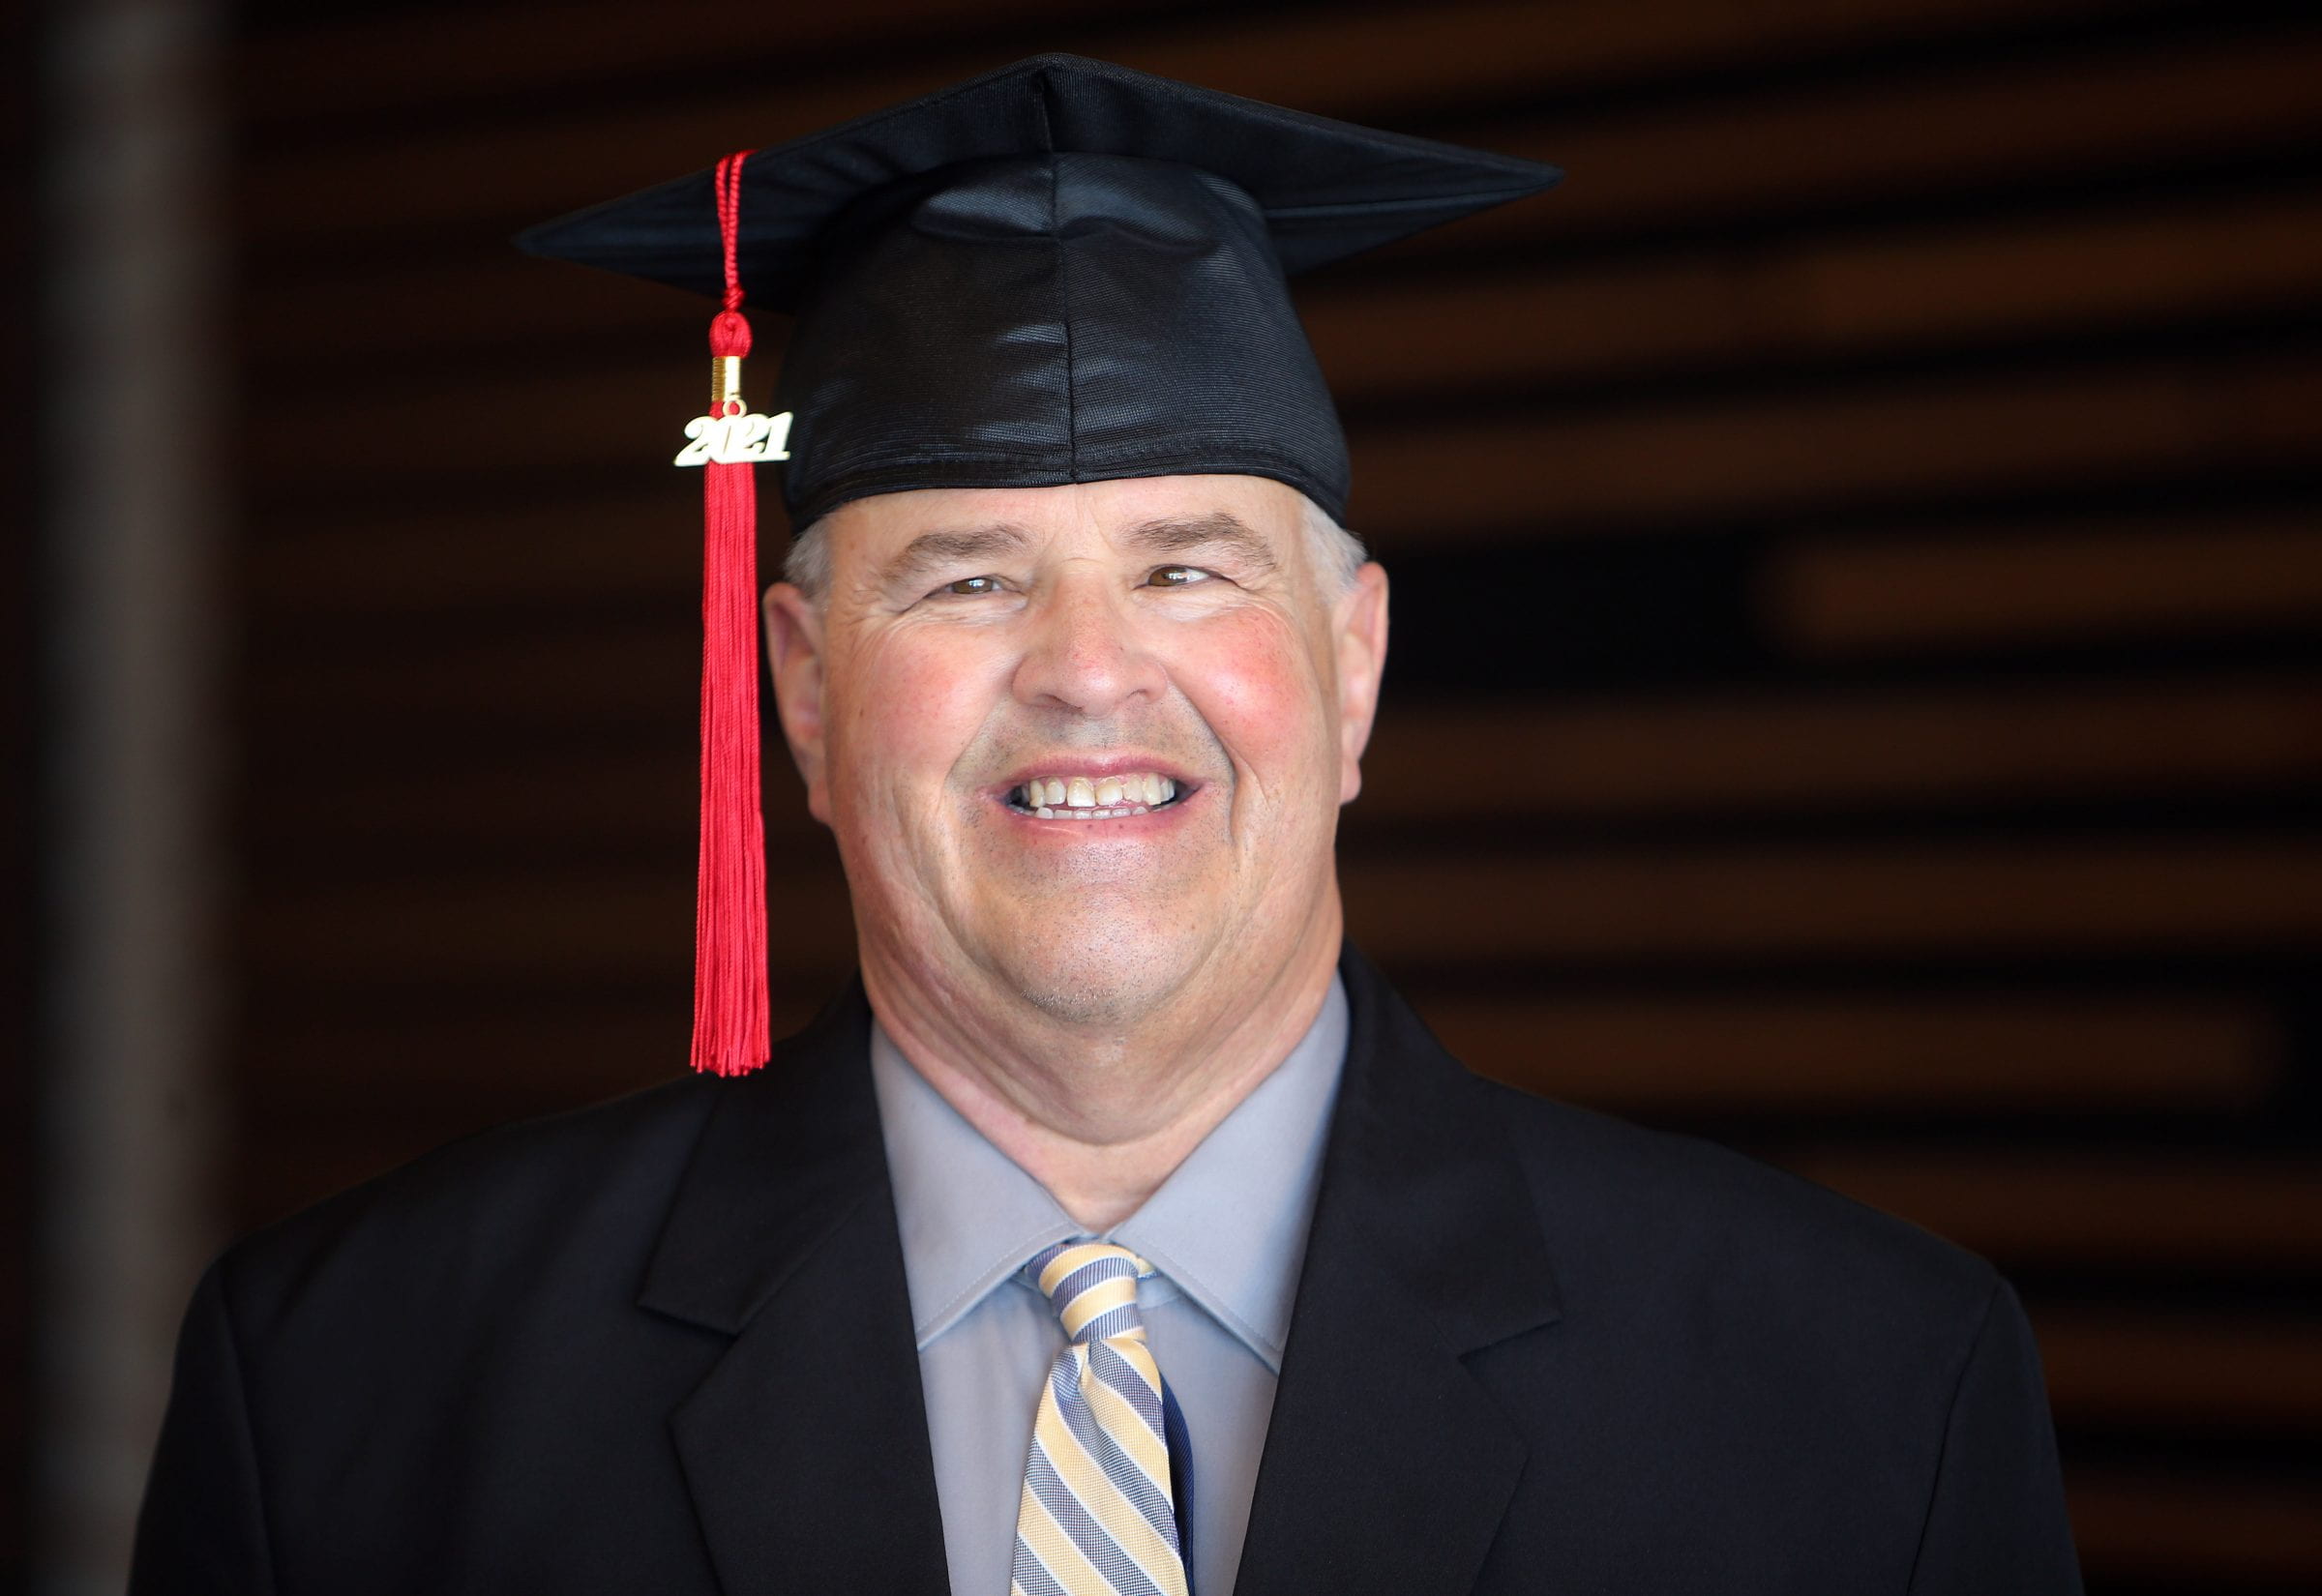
column 1063, row 270
column 1060, row 272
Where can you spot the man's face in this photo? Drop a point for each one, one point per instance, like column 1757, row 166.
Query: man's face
column 1086, row 743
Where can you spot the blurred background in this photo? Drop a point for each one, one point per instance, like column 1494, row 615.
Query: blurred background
column 1857, row 689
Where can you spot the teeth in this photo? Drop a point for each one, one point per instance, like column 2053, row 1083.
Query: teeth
column 1096, row 797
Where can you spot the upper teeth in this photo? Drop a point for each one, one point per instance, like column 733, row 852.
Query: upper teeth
column 1096, row 797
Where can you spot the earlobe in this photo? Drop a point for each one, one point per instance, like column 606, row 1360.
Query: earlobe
column 795, row 658
column 1361, row 662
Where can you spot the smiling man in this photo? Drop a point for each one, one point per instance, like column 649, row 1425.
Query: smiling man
column 1084, row 749
column 1120, row 1231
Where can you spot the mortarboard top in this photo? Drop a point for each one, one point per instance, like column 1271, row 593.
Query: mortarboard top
column 1063, row 270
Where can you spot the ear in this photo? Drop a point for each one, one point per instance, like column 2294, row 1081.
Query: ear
column 795, row 653
column 1360, row 621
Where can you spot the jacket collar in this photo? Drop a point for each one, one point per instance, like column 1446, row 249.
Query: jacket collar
column 1423, row 1163
column 787, row 1153
column 805, row 1448
column 1389, row 1466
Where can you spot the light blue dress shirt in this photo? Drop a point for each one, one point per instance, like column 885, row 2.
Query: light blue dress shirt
column 1226, row 1235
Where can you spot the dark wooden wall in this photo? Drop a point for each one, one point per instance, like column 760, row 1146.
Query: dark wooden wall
column 1857, row 688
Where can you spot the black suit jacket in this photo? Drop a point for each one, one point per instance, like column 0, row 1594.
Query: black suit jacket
column 665, row 1345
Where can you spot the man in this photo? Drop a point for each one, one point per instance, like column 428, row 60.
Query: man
column 1122, row 1231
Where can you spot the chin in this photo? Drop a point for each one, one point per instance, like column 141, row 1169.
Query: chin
column 1103, row 982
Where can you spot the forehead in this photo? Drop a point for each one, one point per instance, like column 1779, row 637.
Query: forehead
column 876, row 527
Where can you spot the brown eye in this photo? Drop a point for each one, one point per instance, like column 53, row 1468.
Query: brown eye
column 974, row 587
column 1175, row 575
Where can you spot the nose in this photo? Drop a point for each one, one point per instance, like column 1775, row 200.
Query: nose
column 1082, row 651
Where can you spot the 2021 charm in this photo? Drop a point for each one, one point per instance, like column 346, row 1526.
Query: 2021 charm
column 733, row 440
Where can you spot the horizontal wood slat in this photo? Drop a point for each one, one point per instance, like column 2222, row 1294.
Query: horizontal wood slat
column 1818, row 297
column 1789, row 455
column 1893, row 1056
column 2178, row 1371
column 474, row 934
column 1819, row 146
column 494, row 1059
column 2150, row 1211
column 1655, row 462
column 1929, row 903
column 1433, row 763
column 1746, row 753
column 1685, row 308
column 1851, row 593
column 1872, row 138
column 615, row 674
column 605, row 799
column 477, row 295
column 1924, row 903
column 1772, row 1055
column 324, row 321
column 485, row 54
column 1345, row 59
column 2212, row 1533
column 385, row 565
column 1982, row 587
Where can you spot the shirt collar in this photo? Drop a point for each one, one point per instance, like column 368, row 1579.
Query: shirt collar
column 969, row 1218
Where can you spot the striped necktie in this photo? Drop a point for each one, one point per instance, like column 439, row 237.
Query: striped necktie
column 1097, row 1516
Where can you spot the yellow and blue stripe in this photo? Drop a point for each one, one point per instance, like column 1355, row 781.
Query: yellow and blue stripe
column 1097, row 1516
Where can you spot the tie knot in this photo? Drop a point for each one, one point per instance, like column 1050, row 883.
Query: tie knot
column 1092, row 1286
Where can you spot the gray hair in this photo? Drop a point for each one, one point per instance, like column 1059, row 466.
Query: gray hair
column 1338, row 554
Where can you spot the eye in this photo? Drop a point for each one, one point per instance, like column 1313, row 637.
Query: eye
column 973, row 587
column 1175, row 575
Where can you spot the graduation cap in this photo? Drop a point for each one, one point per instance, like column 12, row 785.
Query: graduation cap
column 1063, row 271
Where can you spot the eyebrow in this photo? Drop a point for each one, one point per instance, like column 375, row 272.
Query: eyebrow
column 1187, row 534
column 930, row 549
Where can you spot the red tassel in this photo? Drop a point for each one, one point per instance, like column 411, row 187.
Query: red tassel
column 729, row 914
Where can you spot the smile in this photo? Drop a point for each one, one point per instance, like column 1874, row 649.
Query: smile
column 1093, row 797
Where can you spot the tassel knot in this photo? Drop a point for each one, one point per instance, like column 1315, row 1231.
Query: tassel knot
column 729, row 335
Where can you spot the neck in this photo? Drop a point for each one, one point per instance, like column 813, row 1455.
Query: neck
column 1102, row 1117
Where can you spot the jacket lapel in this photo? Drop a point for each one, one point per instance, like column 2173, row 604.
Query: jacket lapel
column 1387, row 1468
column 805, row 1448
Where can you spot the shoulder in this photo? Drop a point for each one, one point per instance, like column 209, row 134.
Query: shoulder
column 1670, row 1222
column 572, row 1195
column 1651, row 1233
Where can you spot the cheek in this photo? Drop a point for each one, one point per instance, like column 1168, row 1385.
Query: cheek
column 911, row 701
column 1253, row 679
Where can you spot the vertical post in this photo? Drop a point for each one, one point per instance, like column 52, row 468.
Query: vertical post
column 129, row 413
